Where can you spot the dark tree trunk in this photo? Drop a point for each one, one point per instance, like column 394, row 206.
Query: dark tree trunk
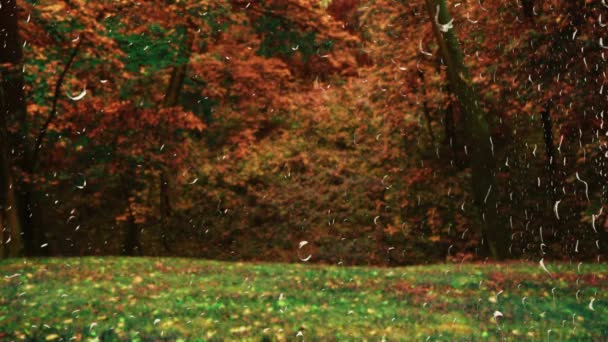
column 178, row 73
column 449, row 126
column 553, row 180
column 165, row 209
column 528, row 8
column 576, row 11
column 132, row 244
column 477, row 131
column 172, row 94
column 550, row 150
column 425, row 108
column 12, row 108
column 176, row 82
column 602, row 230
column 10, row 224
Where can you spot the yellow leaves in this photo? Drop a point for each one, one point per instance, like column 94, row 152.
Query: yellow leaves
column 54, row 7
column 240, row 330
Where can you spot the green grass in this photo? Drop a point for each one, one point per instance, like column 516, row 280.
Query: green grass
column 151, row 299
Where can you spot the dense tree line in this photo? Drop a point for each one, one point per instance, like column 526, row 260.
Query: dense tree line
column 384, row 132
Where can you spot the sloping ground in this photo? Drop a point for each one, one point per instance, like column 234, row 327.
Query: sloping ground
column 179, row 299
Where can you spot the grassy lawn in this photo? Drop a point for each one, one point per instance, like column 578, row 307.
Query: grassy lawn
column 151, row 299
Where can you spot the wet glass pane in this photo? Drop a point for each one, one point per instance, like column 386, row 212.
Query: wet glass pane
column 286, row 170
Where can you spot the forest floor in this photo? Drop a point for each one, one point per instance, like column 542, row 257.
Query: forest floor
column 152, row 299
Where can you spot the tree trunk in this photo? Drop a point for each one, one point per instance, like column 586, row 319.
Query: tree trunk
column 174, row 88
column 548, row 135
column 425, row 108
column 602, row 230
column 550, row 151
column 528, row 8
column 131, row 245
column 12, row 107
column 3, row 235
column 477, row 131
column 576, row 11
column 10, row 224
column 449, row 126
column 165, row 209
column 178, row 73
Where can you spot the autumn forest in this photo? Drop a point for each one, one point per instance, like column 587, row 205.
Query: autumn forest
column 357, row 132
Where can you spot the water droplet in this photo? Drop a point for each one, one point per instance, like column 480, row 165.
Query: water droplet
column 78, row 97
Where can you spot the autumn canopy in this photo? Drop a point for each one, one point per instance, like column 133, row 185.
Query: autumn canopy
column 346, row 131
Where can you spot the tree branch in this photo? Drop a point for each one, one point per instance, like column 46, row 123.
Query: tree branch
column 53, row 114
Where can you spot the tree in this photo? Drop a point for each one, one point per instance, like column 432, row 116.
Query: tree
column 12, row 107
column 528, row 8
column 485, row 192
column 172, row 94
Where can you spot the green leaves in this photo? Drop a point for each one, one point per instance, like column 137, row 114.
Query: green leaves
column 148, row 52
column 282, row 38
